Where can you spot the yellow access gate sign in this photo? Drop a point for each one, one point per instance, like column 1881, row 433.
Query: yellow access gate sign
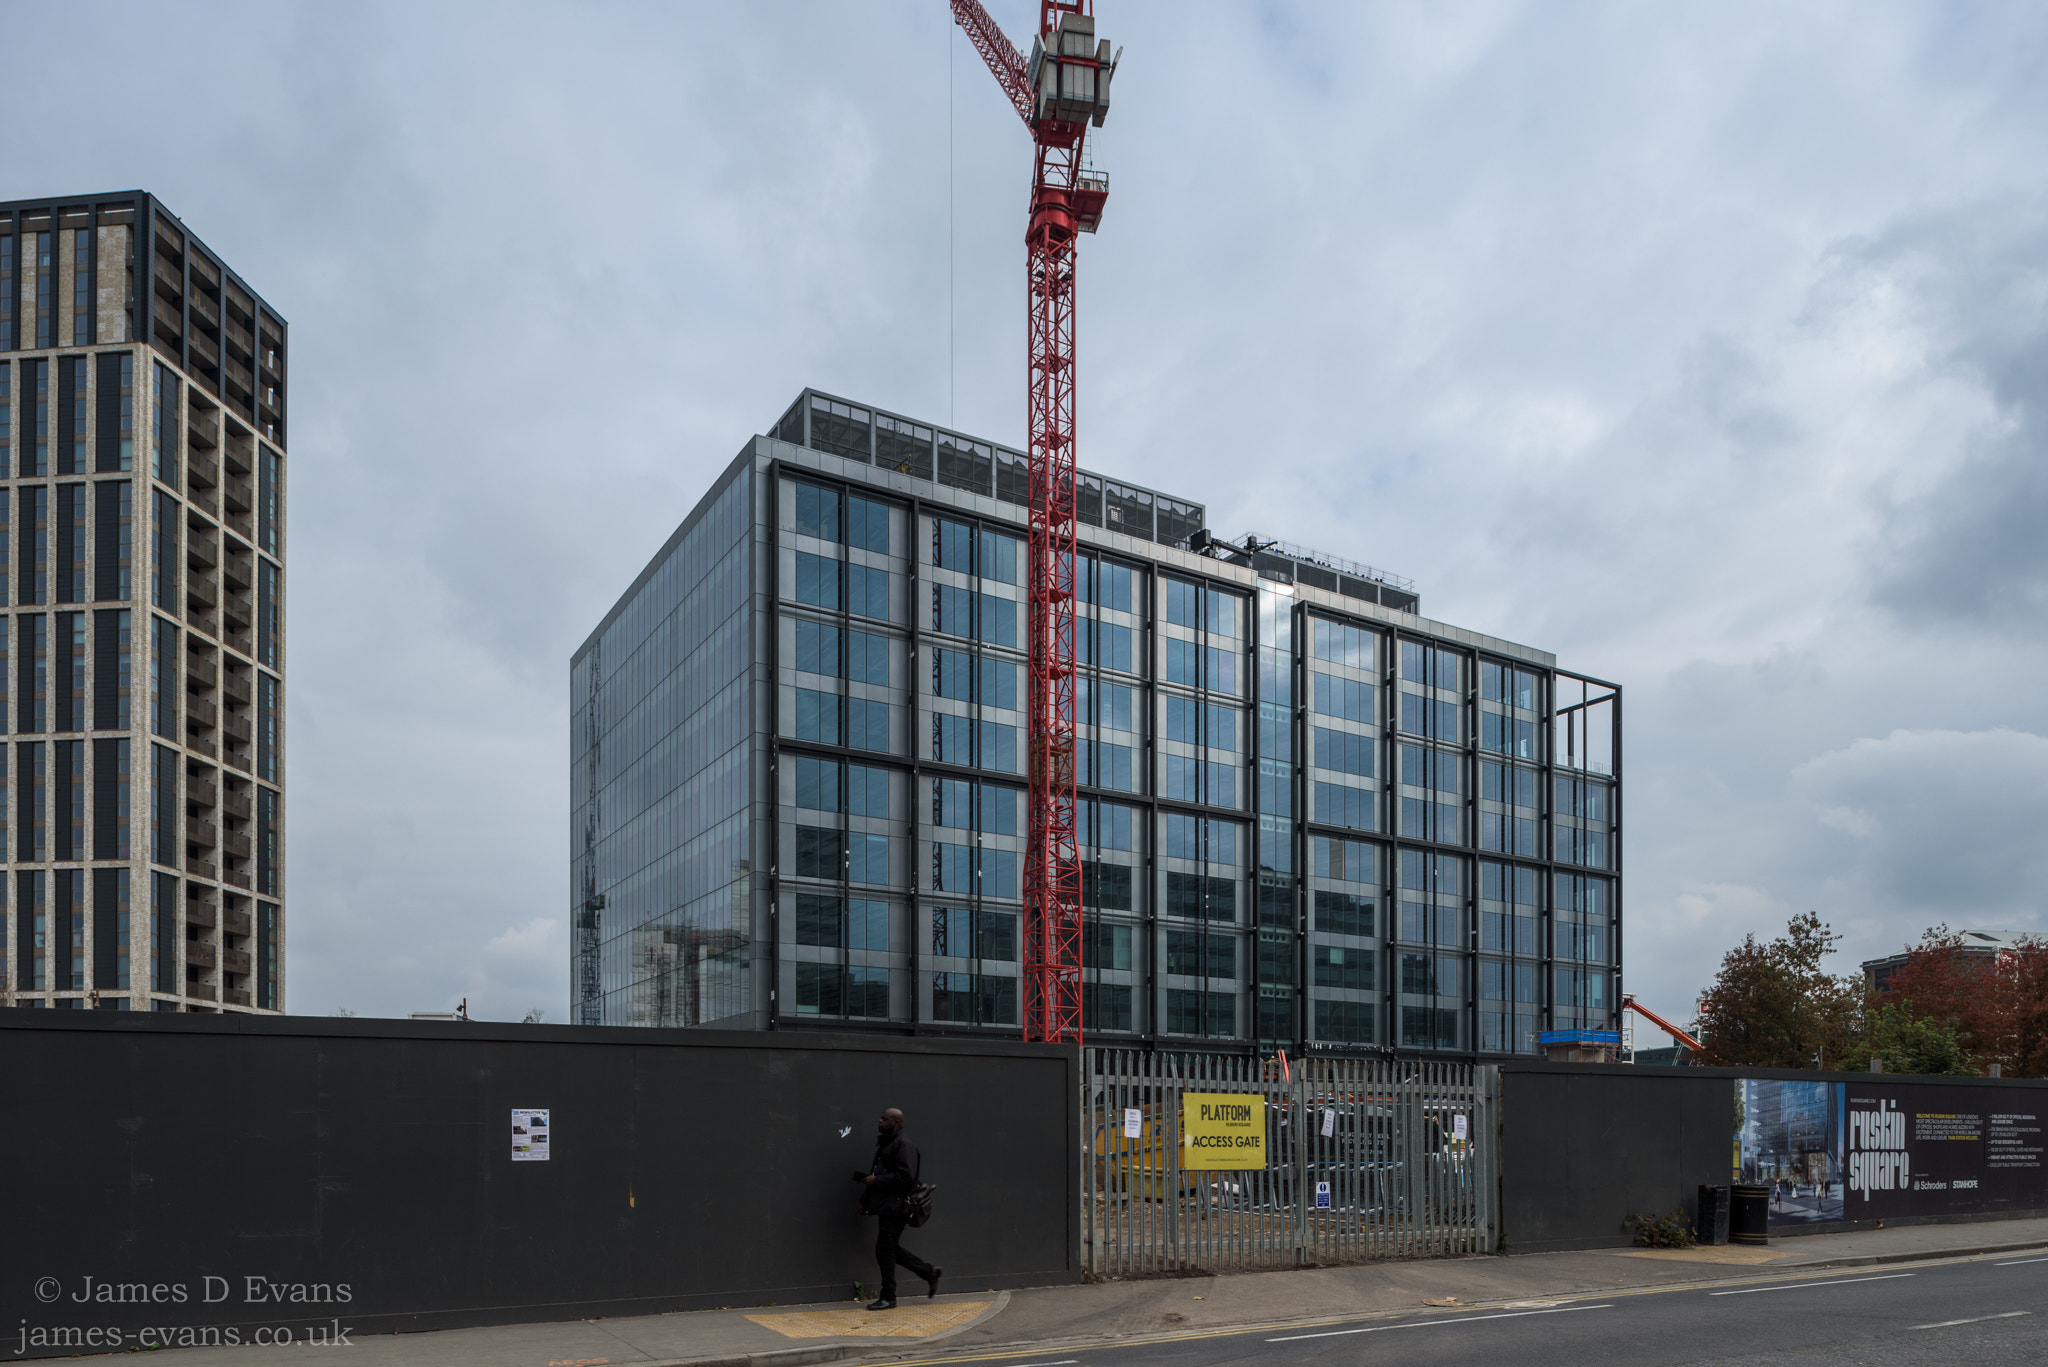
column 1222, row 1130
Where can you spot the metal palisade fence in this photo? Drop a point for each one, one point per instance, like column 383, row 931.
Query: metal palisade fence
column 1340, row 1160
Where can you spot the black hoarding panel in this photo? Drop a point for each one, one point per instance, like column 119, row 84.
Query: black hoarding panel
column 368, row 1168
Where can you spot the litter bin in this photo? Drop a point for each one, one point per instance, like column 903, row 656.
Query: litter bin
column 1713, row 1221
column 1749, row 1215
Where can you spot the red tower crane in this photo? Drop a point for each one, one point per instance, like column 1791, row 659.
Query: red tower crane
column 1058, row 92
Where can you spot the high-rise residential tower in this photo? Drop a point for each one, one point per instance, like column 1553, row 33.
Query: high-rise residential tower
column 1311, row 818
column 142, row 469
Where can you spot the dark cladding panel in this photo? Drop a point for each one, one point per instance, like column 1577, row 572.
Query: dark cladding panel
column 1013, row 478
column 903, row 447
column 965, row 464
column 1177, row 521
column 1127, row 510
column 840, row 429
column 1088, row 498
column 396, row 1137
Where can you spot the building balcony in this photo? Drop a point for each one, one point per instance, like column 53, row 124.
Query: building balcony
column 238, row 497
column 239, row 878
column 204, row 470
column 235, row 726
column 240, row 383
column 200, row 745
column 201, row 593
column 204, row 868
column 201, row 832
column 200, row 792
column 241, row 345
column 199, row 991
column 236, row 805
column 199, row 914
column 204, row 429
column 236, row 922
column 200, row 954
column 234, row 960
column 238, row 607
column 199, row 553
column 235, row 996
column 200, row 673
column 237, row 685
column 236, row 457
column 206, row 501
column 235, row 845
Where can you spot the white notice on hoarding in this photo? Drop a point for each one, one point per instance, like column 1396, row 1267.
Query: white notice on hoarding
column 1329, row 1123
column 530, row 1136
column 1458, row 1128
column 1134, row 1121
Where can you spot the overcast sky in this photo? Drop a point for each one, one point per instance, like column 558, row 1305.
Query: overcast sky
column 1705, row 345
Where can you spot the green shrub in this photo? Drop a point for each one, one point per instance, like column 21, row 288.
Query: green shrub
column 1663, row 1231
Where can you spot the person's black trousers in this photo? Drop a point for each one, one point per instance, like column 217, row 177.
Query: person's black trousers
column 890, row 1253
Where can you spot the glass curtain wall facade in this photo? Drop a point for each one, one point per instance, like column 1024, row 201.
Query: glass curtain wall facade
column 1311, row 818
column 142, row 387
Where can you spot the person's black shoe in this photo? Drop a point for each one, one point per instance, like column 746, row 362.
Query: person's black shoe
column 883, row 1304
column 937, row 1273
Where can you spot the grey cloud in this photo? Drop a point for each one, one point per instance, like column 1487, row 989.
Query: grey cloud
column 1927, row 826
column 1972, row 550
column 1532, row 303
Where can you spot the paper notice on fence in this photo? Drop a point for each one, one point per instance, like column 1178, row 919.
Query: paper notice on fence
column 1458, row 1128
column 1329, row 1123
column 1134, row 1121
column 529, row 1136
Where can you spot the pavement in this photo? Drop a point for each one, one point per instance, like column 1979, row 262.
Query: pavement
column 1137, row 1311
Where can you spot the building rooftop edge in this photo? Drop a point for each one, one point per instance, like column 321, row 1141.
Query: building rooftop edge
column 145, row 196
column 766, row 447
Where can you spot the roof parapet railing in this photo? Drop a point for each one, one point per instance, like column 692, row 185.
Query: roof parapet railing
column 1336, row 563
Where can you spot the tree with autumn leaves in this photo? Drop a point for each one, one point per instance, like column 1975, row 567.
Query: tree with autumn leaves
column 1775, row 1005
column 1998, row 1003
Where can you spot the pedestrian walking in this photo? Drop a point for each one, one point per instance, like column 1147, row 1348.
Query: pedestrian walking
column 888, row 1183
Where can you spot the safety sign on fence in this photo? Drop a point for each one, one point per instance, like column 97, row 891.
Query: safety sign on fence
column 1222, row 1130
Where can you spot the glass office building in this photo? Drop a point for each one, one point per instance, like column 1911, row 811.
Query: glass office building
column 1311, row 817
column 142, row 598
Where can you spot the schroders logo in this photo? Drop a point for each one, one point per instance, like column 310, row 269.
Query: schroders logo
column 1878, row 1160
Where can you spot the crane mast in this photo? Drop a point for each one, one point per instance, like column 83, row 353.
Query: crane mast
column 1059, row 92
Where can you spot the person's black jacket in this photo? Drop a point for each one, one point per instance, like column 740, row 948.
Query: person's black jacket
column 895, row 1172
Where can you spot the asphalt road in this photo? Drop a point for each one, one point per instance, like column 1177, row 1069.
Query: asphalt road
column 1983, row 1311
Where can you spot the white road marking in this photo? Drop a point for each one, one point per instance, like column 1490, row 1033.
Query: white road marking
column 2022, row 1262
column 1063, row 1362
column 1801, row 1286
column 1946, row 1324
column 1431, row 1324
